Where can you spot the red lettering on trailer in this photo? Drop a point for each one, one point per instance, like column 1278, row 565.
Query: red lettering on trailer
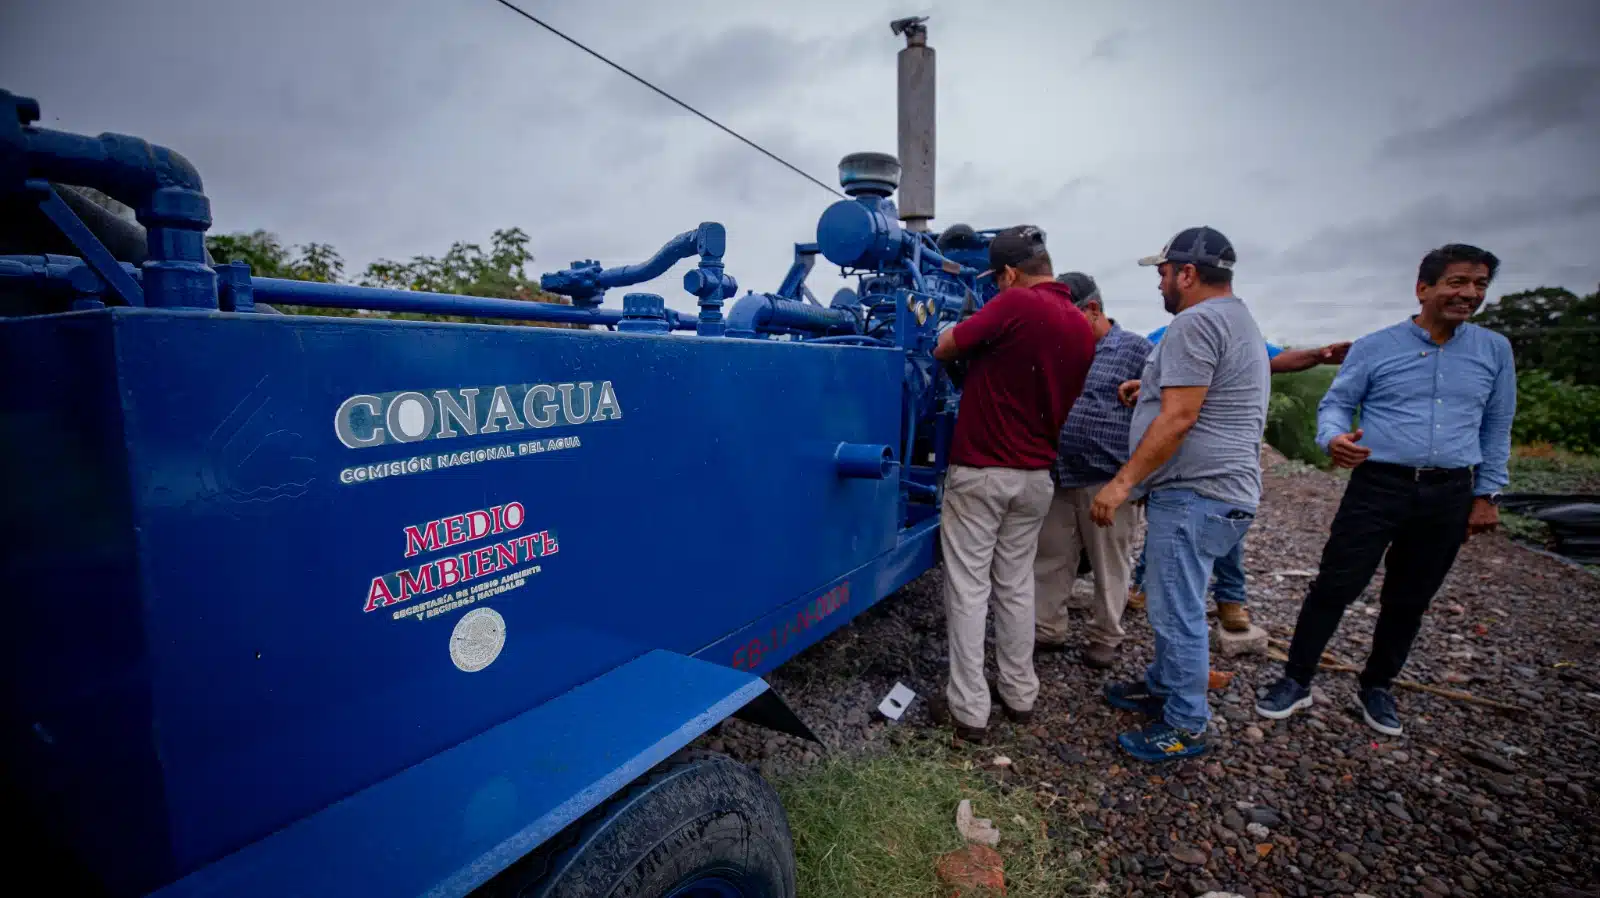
column 506, row 553
column 378, row 595
column 425, row 539
column 416, row 584
column 433, row 576
column 749, row 655
column 456, row 529
column 449, row 571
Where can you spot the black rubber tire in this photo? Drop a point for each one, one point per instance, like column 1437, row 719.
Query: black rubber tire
column 697, row 814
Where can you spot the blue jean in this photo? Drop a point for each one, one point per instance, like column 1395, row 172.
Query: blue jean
column 1229, row 583
column 1187, row 534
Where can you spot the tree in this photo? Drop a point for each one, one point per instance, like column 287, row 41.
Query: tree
column 464, row 270
column 269, row 258
column 1551, row 329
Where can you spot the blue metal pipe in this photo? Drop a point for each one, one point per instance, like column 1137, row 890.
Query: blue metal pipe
column 162, row 186
column 341, row 296
column 864, row 461
column 763, row 313
column 853, row 340
column 586, row 280
column 805, row 257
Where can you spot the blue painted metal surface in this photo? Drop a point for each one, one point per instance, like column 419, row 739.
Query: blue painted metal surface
column 473, row 809
column 288, row 573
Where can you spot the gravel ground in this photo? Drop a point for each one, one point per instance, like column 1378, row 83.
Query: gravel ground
column 1472, row 800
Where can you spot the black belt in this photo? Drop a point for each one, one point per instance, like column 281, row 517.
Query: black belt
column 1418, row 475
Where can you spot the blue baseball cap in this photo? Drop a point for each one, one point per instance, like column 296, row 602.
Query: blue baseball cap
column 1196, row 246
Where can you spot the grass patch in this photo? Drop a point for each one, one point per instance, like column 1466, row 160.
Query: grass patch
column 878, row 825
column 1292, row 414
column 1542, row 468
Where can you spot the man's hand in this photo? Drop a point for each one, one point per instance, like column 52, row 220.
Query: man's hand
column 1333, row 354
column 1108, row 500
column 1484, row 518
column 1128, row 393
column 1345, row 452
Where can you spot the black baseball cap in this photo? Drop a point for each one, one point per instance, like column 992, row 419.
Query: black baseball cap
column 1013, row 246
column 1082, row 286
column 1196, row 246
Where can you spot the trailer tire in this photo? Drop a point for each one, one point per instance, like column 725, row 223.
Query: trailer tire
column 698, row 818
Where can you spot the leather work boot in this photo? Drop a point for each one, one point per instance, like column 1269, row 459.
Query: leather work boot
column 1013, row 715
column 939, row 713
column 1136, row 599
column 1233, row 616
column 1099, row 656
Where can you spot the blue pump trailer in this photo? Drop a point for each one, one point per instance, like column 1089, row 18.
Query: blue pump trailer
column 324, row 605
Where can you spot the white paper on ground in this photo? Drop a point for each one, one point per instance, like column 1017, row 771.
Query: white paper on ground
column 895, row 703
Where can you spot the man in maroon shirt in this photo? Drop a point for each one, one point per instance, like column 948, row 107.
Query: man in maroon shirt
column 1028, row 352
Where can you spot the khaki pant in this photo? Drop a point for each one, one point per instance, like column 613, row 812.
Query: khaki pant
column 1067, row 529
column 989, row 527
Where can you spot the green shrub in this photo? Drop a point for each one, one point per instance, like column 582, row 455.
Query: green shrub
column 1556, row 412
column 1292, row 414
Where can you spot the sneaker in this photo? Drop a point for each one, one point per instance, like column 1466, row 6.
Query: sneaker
column 1378, row 707
column 1233, row 617
column 1283, row 699
column 1161, row 741
column 1099, row 656
column 1135, row 696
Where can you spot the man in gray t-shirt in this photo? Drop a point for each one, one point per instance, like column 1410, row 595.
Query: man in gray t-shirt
column 1214, row 344
column 1196, row 463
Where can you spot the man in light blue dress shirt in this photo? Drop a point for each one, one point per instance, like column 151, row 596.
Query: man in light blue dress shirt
column 1436, row 396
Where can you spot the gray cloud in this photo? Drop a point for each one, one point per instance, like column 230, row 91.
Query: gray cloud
column 391, row 128
column 1111, row 47
column 728, row 71
column 1547, row 96
column 1433, row 222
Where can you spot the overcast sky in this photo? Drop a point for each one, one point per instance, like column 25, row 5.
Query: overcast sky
column 1333, row 142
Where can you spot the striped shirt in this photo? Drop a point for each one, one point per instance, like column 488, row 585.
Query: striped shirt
column 1094, row 440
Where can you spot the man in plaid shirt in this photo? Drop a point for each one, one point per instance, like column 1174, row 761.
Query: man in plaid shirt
column 1093, row 447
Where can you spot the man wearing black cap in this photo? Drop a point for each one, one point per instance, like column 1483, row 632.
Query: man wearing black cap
column 1028, row 351
column 1092, row 448
column 1196, row 461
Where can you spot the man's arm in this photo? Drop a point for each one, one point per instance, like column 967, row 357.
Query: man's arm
column 1349, row 388
column 1184, row 382
column 981, row 328
column 1494, row 433
column 1302, row 359
column 1180, row 408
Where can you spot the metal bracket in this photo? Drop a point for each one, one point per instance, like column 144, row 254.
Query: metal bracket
column 770, row 711
column 95, row 254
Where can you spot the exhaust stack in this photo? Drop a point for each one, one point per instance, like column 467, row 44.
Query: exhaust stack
column 915, row 101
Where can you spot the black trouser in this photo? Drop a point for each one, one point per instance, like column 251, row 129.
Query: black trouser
column 1420, row 518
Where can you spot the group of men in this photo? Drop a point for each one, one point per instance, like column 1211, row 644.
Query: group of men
column 1072, row 430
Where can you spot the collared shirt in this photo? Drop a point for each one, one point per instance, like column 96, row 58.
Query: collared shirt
column 1094, row 439
column 1030, row 349
column 1426, row 405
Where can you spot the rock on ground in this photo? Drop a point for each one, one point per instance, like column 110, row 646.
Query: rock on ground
column 1471, row 801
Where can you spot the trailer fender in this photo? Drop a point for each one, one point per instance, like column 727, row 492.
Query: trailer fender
column 449, row 824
